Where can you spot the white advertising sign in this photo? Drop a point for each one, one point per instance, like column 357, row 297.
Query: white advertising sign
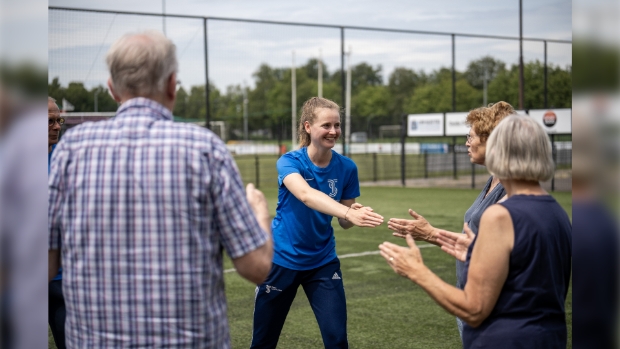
column 425, row 125
column 455, row 124
column 554, row 121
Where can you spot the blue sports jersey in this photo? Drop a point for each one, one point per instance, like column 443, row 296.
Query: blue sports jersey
column 304, row 238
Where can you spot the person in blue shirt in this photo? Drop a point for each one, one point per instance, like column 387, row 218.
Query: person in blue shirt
column 315, row 185
column 56, row 301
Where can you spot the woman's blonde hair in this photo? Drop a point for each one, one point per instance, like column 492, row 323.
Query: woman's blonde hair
column 519, row 148
column 484, row 119
column 308, row 113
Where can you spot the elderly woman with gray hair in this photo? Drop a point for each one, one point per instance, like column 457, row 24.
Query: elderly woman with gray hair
column 519, row 263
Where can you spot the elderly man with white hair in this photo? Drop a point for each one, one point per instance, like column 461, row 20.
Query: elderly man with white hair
column 142, row 208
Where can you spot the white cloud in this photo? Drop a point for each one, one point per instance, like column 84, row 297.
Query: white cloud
column 236, row 49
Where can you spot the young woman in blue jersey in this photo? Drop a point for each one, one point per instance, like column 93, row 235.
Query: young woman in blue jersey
column 315, row 185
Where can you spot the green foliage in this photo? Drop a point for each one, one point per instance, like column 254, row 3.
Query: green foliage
column 82, row 99
column 436, row 96
column 505, row 87
column 180, row 107
column 25, row 77
column 487, row 65
column 373, row 102
column 598, row 65
column 401, row 85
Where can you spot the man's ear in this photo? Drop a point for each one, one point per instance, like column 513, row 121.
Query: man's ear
column 116, row 97
column 171, row 86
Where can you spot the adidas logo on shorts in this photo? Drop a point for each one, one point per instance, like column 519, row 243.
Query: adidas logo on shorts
column 336, row 277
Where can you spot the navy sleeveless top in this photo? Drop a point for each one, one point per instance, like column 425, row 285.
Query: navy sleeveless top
column 529, row 312
column 472, row 218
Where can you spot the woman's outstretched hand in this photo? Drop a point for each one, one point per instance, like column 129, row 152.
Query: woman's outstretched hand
column 363, row 216
column 419, row 228
column 456, row 244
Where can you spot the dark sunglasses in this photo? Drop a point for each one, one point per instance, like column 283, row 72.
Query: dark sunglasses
column 51, row 121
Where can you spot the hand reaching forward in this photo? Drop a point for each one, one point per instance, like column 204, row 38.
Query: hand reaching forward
column 419, row 228
column 357, row 206
column 259, row 206
column 456, row 244
column 404, row 261
column 363, row 216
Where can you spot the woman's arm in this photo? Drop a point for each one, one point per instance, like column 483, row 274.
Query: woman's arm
column 321, row 202
column 487, row 272
column 352, row 206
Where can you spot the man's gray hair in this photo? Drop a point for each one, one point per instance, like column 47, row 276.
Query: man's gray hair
column 140, row 64
column 519, row 148
column 51, row 99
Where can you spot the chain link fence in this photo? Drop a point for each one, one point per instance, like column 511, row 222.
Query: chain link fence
column 248, row 68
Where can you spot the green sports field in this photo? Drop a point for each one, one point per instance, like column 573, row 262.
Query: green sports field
column 384, row 309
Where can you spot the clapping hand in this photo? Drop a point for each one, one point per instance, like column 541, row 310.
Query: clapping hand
column 456, row 244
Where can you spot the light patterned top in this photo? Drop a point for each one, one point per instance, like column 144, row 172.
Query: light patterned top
column 143, row 206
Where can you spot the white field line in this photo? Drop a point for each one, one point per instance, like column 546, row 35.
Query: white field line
column 351, row 255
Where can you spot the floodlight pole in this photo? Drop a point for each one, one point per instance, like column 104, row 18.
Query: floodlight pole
column 163, row 17
column 486, row 77
column 342, row 80
column 453, row 75
column 293, row 103
column 320, row 77
column 521, row 82
column 245, row 111
column 347, row 109
column 208, row 106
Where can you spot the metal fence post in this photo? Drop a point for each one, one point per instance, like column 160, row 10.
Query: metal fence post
column 374, row 167
column 425, row 157
column 454, row 170
column 257, row 169
column 555, row 162
column 403, row 134
column 545, row 75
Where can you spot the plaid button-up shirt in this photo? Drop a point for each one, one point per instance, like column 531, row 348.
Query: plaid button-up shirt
column 143, row 206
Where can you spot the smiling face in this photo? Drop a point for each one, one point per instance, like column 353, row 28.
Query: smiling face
column 476, row 147
column 53, row 131
column 325, row 130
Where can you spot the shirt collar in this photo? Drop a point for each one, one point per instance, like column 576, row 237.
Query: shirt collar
column 158, row 110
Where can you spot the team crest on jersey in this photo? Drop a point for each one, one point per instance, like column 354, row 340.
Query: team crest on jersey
column 332, row 186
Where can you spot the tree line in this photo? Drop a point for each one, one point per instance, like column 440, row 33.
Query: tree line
column 373, row 102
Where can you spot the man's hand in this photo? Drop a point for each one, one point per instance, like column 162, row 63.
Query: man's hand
column 257, row 201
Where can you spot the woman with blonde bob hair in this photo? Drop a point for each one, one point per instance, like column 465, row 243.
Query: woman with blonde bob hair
column 519, row 264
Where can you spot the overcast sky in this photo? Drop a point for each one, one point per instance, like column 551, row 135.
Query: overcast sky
column 78, row 41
